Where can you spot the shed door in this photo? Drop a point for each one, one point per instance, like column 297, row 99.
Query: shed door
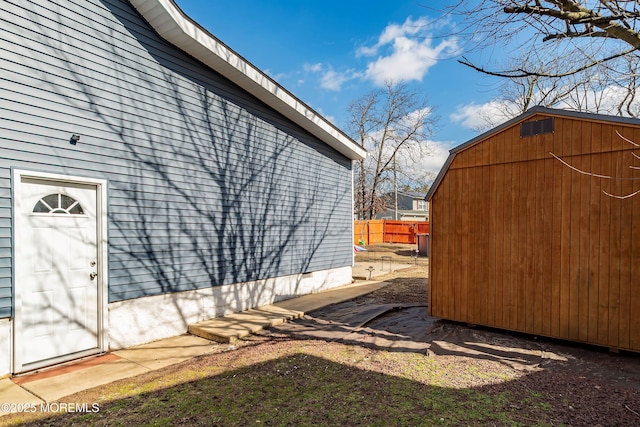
column 56, row 273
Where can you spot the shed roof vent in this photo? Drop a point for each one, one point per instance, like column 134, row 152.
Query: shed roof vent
column 537, row 127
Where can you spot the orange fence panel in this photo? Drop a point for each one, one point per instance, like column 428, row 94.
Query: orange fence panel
column 399, row 232
column 423, row 227
column 387, row 231
column 368, row 232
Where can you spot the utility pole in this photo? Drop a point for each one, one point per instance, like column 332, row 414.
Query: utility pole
column 395, row 189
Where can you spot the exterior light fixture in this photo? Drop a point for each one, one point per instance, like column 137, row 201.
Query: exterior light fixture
column 74, row 139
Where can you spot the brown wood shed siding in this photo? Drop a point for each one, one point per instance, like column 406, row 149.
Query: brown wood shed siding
column 521, row 242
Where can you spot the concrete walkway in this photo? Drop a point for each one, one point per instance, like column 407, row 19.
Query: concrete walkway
column 54, row 384
column 368, row 270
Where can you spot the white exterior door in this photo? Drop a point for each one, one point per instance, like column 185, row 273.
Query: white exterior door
column 57, row 281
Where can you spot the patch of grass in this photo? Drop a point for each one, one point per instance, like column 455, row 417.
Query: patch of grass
column 275, row 380
column 537, row 399
column 325, row 385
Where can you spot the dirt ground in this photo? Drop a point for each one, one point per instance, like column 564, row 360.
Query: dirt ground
column 603, row 386
column 598, row 387
column 582, row 385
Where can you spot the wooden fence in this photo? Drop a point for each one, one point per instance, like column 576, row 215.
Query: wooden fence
column 378, row 231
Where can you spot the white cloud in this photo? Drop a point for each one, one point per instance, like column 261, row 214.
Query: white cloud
column 367, row 51
column 333, row 80
column 313, row 68
column 419, row 160
column 406, row 52
column 416, row 115
column 424, row 167
column 393, row 32
column 605, row 101
column 434, row 162
column 481, row 117
column 330, row 79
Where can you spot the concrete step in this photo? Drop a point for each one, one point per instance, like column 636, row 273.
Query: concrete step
column 233, row 326
column 229, row 328
column 55, row 383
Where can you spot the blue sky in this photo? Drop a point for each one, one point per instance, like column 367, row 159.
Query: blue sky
column 331, row 52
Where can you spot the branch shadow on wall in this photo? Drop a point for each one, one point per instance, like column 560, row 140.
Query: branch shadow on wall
column 207, row 186
column 243, row 196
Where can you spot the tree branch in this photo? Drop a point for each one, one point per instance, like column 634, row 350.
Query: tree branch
column 544, row 11
column 573, row 34
column 521, row 73
column 573, row 13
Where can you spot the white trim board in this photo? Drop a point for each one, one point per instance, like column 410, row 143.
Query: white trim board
column 177, row 28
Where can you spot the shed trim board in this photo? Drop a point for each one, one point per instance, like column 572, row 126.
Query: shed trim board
column 521, row 241
column 224, row 191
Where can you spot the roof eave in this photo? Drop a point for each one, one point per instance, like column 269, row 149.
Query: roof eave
column 177, row 28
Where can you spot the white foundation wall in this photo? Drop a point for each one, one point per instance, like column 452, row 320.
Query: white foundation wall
column 147, row 319
column 5, row 345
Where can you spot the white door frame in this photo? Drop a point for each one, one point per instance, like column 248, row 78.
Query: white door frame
column 102, row 249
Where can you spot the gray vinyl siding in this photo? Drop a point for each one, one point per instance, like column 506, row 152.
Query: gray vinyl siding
column 206, row 185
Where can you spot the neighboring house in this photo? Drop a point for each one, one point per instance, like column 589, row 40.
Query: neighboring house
column 150, row 177
column 411, row 207
column 525, row 236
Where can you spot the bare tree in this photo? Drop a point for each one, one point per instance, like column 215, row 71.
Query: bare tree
column 593, row 32
column 392, row 124
column 628, row 104
column 592, row 90
column 517, row 95
column 581, row 55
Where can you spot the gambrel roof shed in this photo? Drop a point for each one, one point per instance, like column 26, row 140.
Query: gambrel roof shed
column 531, row 229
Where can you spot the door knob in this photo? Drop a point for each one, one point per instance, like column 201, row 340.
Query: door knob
column 93, row 275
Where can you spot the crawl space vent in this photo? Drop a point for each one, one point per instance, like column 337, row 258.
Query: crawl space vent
column 537, row 127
